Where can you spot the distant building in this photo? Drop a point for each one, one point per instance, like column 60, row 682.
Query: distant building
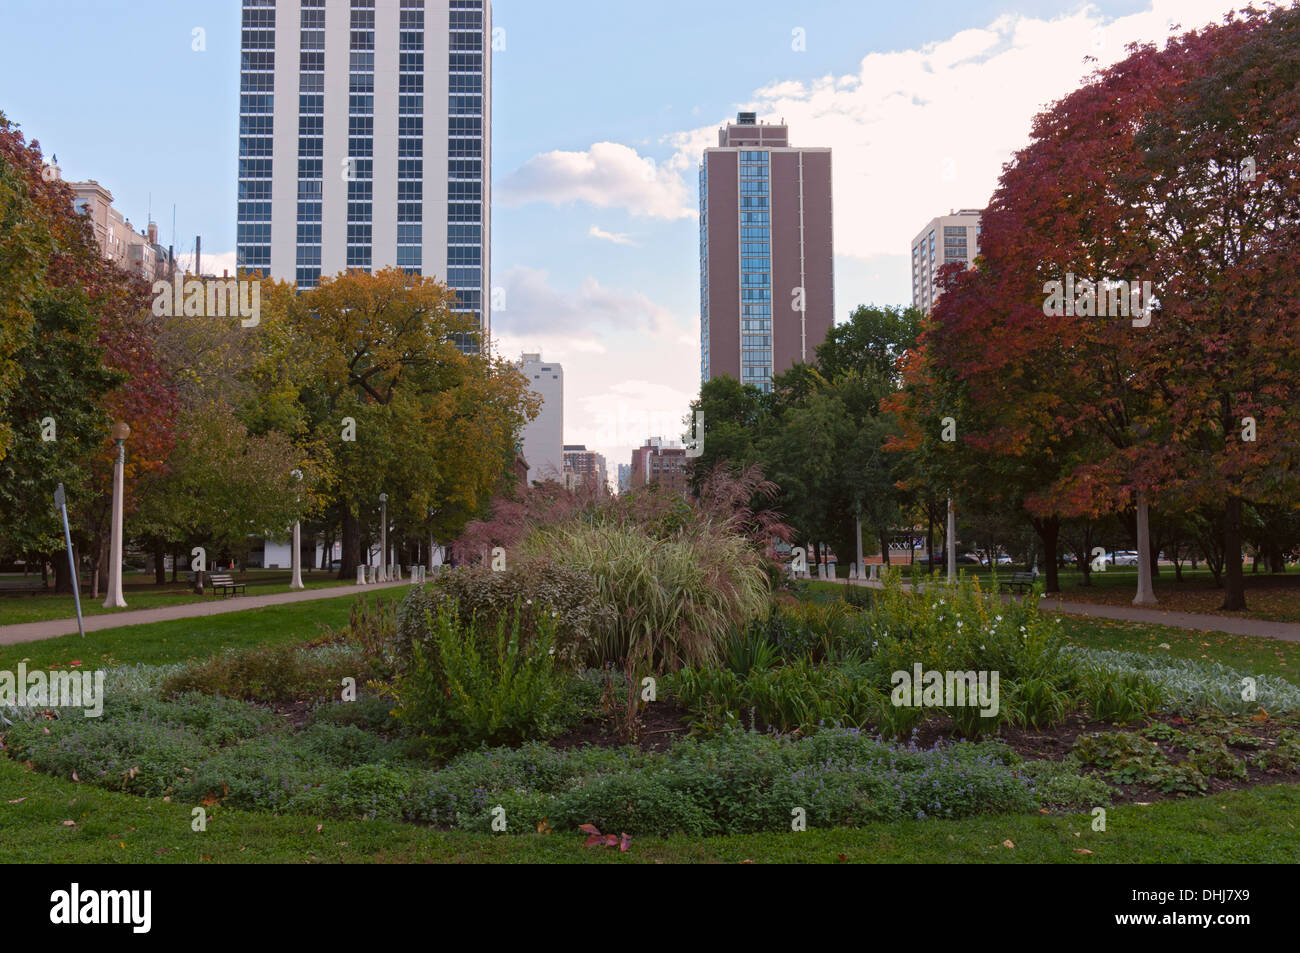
column 945, row 240
column 624, row 477
column 662, row 462
column 584, row 467
column 134, row 251
column 365, row 141
column 767, row 259
column 543, row 437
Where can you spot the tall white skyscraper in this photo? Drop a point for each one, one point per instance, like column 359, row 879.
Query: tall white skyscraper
column 365, row 141
column 543, row 437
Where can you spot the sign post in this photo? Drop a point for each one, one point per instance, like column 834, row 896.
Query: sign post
column 61, row 501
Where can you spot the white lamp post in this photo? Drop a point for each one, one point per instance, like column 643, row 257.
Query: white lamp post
column 296, row 582
column 383, row 537
column 113, row 599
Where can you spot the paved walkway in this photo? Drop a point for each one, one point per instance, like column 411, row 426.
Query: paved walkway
column 35, row 631
column 1196, row 621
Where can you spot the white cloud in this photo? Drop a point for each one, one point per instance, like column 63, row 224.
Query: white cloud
column 533, row 306
column 212, row 263
column 631, row 367
column 608, row 175
column 915, row 133
column 618, row 239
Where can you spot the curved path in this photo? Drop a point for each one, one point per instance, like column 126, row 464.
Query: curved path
column 50, row 628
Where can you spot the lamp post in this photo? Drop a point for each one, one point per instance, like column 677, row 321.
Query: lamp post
column 383, row 537
column 296, row 582
column 113, row 599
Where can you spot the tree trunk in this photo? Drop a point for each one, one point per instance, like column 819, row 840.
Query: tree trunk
column 1049, row 531
column 929, row 541
column 159, row 562
column 1234, row 596
column 351, row 544
column 1146, row 593
column 884, row 547
column 62, row 575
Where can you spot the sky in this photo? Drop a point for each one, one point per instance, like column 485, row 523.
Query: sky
column 601, row 112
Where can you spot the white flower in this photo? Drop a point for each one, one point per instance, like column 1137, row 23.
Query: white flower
column 999, row 618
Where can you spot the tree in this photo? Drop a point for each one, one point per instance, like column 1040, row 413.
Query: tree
column 369, row 378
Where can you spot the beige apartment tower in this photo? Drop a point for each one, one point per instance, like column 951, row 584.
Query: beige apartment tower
column 948, row 239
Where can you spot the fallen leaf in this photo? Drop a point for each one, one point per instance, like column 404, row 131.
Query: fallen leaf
column 69, row 823
column 1082, row 850
column 624, row 843
column 18, row 800
column 320, row 828
column 1009, row 843
column 588, row 828
column 842, row 858
column 74, row 775
column 1142, row 803
column 122, row 844
column 1076, row 833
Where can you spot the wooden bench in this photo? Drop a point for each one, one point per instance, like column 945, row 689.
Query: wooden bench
column 225, row 583
column 1019, row 582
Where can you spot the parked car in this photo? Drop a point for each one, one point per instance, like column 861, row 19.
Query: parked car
column 1124, row 557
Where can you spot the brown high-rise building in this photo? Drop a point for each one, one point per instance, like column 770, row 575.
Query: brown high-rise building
column 657, row 462
column 767, row 295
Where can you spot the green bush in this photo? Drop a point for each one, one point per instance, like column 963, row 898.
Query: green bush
column 277, row 673
column 472, row 686
column 1060, row 785
column 628, row 802
column 530, row 593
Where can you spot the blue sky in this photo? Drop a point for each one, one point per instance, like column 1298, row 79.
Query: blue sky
column 600, row 111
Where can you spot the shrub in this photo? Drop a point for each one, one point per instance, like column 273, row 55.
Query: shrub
column 367, row 791
column 528, row 593
column 271, row 673
column 672, row 600
column 372, row 630
column 627, row 802
column 471, row 686
column 1059, row 785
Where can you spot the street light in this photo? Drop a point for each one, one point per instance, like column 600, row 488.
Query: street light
column 113, row 599
column 383, row 536
column 296, row 562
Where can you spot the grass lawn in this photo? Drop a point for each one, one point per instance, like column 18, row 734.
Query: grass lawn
column 1273, row 598
column 143, row 594
column 1255, row 825
column 1244, row 652
column 158, row 643
column 1251, row 826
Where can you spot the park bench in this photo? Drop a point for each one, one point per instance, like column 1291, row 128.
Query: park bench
column 226, row 584
column 1019, row 582
column 30, row 589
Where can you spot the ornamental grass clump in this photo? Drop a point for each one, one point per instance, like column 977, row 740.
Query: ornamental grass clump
column 674, row 600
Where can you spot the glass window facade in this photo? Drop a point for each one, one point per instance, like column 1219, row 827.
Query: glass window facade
column 755, row 270
column 468, row 45
column 256, row 118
